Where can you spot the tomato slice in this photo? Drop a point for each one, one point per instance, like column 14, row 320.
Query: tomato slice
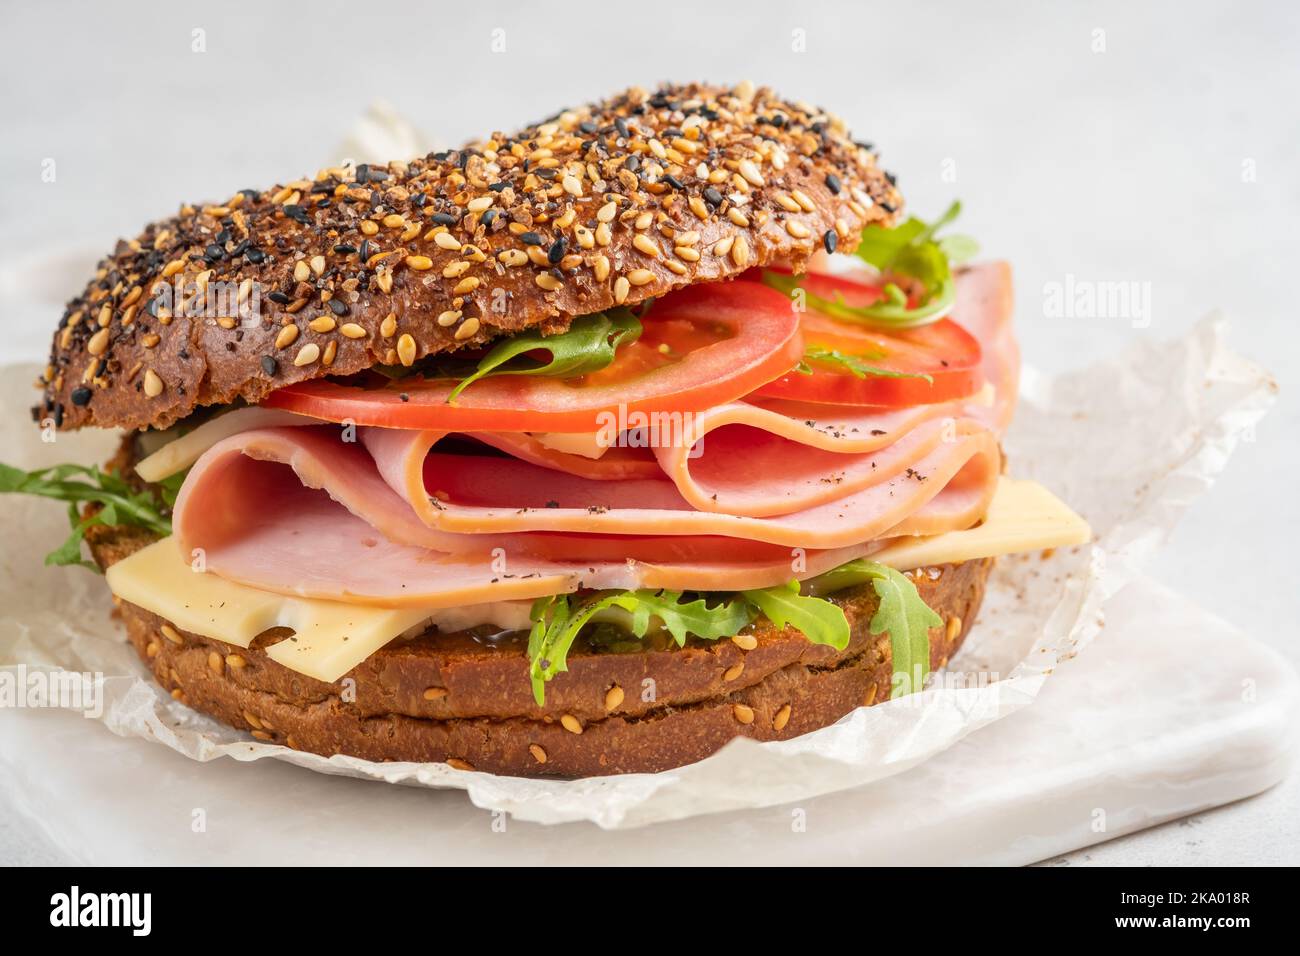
column 942, row 350
column 701, row 346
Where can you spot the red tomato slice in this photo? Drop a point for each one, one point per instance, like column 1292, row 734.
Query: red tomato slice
column 701, row 346
column 943, row 350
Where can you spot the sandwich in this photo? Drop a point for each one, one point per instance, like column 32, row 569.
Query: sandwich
column 580, row 450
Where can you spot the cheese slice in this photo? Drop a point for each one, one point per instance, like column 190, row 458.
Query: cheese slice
column 1023, row 516
column 587, row 444
column 180, row 453
column 330, row 637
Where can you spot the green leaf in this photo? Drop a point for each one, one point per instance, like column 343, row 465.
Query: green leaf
column 854, row 365
column 909, row 252
column 820, row 621
column 724, row 619
column 77, row 485
column 902, row 613
column 556, row 625
column 588, row 345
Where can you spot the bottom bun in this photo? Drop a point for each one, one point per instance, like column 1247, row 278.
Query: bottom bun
column 466, row 700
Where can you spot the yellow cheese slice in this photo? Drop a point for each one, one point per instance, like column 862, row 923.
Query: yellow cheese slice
column 179, row 454
column 1023, row 516
column 330, row 638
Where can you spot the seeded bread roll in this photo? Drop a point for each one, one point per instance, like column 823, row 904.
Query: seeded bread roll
column 449, row 697
column 602, row 205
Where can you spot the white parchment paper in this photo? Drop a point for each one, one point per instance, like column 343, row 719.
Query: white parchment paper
column 1128, row 443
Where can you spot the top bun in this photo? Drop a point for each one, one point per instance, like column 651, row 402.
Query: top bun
column 601, row 205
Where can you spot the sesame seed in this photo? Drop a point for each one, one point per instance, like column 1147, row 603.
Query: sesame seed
column 640, row 277
column 480, row 204
column 322, row 323
column 286, row 336
column 307, row 354
column 530, row 238
column 833, row 184
column 645, row 245
column 740, row 252
column 171, row 634
column 571, row 185
column 449, row 318
column 419, row 263
column 512, row 257
column 556, row 252
column 269, row 365
column 734, row 671
column 613, row 698
column 830, row 240
column 467, row 329
column 538, row 753
column 621, row 289
column 571, row 724
column 782, row 718
column 153, row 385
column 747, row 169
column 746, row 642
column 786, row 202
column 301, row 271
column 388, row 327
column 455, row 763
column 738, row 217
column 98, row 343
column 318, row 264
column 445, row 240
column 698, row 207
column 406, row 349
column 607, row 212
column 352, row 330
column 743, row 713
column 723, row 246
column 803, row 200
column 688, row 253
column 547, row 281
column 600, row 268
column 797, row 229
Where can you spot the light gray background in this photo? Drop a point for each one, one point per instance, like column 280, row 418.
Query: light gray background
column 1170, row 158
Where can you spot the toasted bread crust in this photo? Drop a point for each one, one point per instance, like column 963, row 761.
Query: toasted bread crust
column 602, row 205
column 450, row 698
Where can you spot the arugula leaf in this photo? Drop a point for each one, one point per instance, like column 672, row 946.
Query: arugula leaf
column 902, row 613
column 118, row 502
column 908, row 251
column 557, row 623
column 820, row 621
column 588, row 345
column 853, row 364
column 556, row 626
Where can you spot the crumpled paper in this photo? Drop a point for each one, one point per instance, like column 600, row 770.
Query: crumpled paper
column 1129, row 443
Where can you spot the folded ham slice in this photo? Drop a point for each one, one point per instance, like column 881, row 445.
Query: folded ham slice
column 780, row 490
